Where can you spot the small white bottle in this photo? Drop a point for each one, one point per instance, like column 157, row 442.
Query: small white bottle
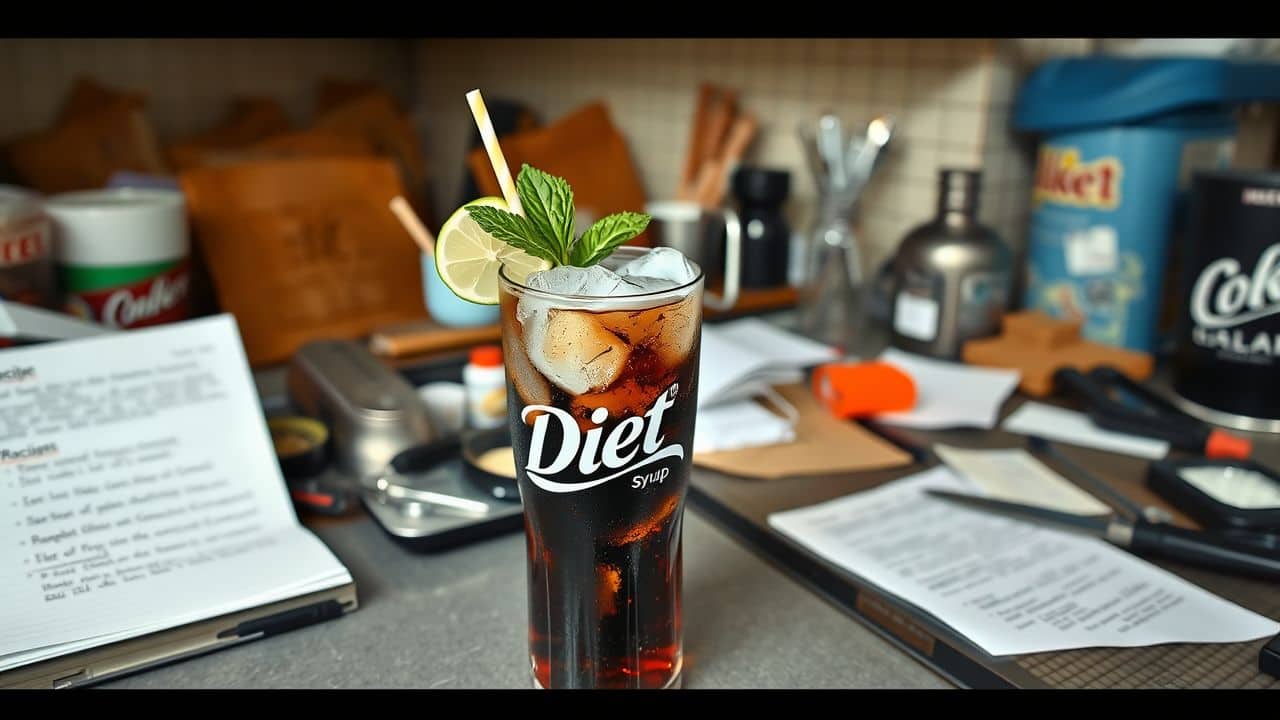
column 485, row 379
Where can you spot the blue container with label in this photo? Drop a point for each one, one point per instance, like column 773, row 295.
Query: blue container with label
column 1119, row 140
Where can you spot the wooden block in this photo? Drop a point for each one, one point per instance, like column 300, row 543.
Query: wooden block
column 1041, row 330
column 421, row 337
column 1038, row 349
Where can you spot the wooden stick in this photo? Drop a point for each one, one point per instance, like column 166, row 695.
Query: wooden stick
column 711, row 191
column 496, row 159
column 693, row 156
column 409, row 219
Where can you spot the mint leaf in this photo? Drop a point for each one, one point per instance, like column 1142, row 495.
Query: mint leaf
column 606, row 235
column 548, row 204
column 513, row 230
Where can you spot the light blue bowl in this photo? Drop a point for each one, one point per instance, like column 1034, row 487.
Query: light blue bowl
column 447, row 308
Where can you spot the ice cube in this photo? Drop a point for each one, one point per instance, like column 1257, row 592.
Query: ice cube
column 531, row 386
column 571, row 348
column 594, row 281
column 661, row 264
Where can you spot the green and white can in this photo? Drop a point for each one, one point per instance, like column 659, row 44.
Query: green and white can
column 122, row 255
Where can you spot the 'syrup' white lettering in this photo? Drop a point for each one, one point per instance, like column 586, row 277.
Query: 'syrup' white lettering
column 618, row 452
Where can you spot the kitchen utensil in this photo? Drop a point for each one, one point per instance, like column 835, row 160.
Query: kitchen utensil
column 831, row 146
column 1194, row 547
column 1115, row 402
column 711, row 190
column 864, row 153
column 952, row 276
column 688, row 227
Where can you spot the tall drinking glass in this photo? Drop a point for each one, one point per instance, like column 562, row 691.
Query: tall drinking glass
column 602, row 399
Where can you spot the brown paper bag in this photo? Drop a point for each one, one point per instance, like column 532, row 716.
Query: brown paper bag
column 584, row 148
column 301, row 144
column 336, row 91
column 248, row 120
column 824, row 445
column 304, row 249
column 376, row 118
column 88, row 96
column 86, row 151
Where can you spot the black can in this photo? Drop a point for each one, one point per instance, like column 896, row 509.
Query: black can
column 1228, row 339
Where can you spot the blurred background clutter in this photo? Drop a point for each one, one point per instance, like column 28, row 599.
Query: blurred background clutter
column 748, row 125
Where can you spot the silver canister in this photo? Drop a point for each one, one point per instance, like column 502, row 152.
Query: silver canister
column 952, row 276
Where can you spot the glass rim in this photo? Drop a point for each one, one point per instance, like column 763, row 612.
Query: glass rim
column 631, row 250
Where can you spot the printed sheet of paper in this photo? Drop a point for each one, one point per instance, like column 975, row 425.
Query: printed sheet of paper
column 139, row 491
column 1069, row 426
column 1010, row 587
column 1015, row 475
column 948, row 394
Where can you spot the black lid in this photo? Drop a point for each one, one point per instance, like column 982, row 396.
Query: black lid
column 1237, row 176
column 958, row 190
column 761, row 186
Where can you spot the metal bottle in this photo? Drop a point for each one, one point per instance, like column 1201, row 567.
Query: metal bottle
column 951, row 276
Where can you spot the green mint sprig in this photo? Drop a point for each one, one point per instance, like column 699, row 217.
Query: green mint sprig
column 546, row 229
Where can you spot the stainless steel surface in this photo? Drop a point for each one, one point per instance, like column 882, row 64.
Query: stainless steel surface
column 372, row 412
column 1070, row 521
column 687, row 227
column 1226, row 419
column 405, row 518
column 457, row 619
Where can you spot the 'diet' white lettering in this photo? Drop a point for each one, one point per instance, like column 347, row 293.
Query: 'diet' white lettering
column 592, row 454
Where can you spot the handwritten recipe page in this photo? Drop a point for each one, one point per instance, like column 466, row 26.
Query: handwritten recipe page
column 139, row 491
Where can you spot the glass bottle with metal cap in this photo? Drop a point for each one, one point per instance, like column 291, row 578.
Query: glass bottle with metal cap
column 952, row 276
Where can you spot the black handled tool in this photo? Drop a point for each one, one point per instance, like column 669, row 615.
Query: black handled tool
column 1115, row 402
column 1193, row 547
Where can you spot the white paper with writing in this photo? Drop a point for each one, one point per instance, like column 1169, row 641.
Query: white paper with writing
column 1011, row 587
column 1069, row 426
column 1013, row 474
column 140, row 491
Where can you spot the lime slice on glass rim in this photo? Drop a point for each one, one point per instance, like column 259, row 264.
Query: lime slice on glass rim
column 468, row 258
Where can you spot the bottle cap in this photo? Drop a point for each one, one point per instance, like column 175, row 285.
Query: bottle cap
column 486, row 356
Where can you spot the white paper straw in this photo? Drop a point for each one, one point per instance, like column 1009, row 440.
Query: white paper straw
column 496, row 159
column 409, row 219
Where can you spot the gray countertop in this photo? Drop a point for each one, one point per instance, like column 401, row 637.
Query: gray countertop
column 457, row 619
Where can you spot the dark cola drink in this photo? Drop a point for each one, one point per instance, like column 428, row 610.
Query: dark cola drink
column 603, row 374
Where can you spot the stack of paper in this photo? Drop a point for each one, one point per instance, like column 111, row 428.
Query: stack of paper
column 744, row 359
